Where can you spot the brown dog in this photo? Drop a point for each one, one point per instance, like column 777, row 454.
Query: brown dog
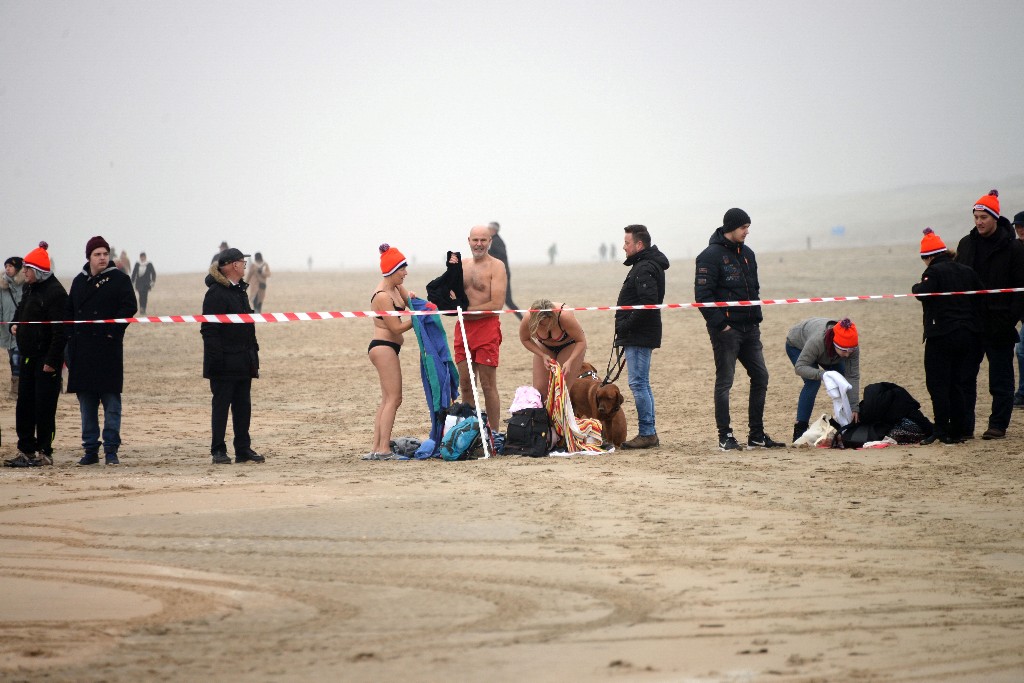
column 590, row 399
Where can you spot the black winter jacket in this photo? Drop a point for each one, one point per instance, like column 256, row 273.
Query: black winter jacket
column 999, row 262
column 945, row 314
column 96, row 351
column 230, row 350
column 44, row 300
column 644, row 284
column 727, row 271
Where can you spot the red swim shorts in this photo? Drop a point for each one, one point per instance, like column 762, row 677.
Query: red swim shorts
column 484, row 335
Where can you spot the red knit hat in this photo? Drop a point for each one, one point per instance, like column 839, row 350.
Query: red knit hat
column 990, row 203
column 931, row 243
column 390, row 260
column 38, row 258
column 844, row 335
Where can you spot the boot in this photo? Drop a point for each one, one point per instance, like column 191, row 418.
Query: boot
column 798, row 429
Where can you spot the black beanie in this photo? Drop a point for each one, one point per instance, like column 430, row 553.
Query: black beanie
column 15, row 261
column 734, row 218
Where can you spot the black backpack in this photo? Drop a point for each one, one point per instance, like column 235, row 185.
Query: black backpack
column 527, row 433
column 856, row 434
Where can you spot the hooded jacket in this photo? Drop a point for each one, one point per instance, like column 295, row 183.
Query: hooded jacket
column 644, row 284
column 10, row 297
column 43, row 300
column 999, row 262
column 230, row 350
column 96, row 350
column 727, row 271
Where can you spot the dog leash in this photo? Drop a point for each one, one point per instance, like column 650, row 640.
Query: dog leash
column 616, row 362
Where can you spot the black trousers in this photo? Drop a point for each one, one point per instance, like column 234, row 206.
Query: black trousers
column 743, row 346
column 1001, row 383
column 35, row 417
column 234, row 395
column 951, row 375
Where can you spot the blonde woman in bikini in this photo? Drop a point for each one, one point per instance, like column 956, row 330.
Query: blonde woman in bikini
column 385, row 346
column 553, row 333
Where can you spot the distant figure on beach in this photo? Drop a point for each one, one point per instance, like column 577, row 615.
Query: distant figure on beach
column 484, row 279
column 309, row 263
column 611, row 251
column 552, row 253
column 603, row 251
column 259, row 271
column 144, row 279
column 498, row 251
column 124, row 264
column 223, row 248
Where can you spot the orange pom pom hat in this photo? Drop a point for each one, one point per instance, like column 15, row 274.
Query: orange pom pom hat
column 38, row 258
column 931, row 243
column 844, row 335
column 990, row 203
column 390, row 260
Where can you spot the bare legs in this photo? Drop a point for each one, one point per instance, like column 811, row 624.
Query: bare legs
column 390, row 372
column 487, row 381
column 571, row 372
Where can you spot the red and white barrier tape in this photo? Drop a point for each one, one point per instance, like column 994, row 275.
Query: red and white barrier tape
column 330, row 315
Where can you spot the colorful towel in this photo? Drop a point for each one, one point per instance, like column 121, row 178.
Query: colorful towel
column 581, row 435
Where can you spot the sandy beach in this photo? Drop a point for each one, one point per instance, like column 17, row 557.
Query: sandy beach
column 676, row 564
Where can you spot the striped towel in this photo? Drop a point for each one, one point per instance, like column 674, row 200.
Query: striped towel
column 581, row 435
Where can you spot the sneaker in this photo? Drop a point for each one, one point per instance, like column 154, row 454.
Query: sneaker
column 221, row 458
column 762, row 440
column 379, row 456
column 1018, row 401
column 111, row 459
column 42, row 459
column 727, row 442
column 640, row 441
column 25, row 460
column 994, row 433
column 248, row 455
column 9, row 462
column 89, row 459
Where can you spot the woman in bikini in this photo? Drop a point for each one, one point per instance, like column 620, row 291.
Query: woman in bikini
column 386, row 344
column 553, row 333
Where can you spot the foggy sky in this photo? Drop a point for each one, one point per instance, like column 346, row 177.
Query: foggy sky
column 324, row 128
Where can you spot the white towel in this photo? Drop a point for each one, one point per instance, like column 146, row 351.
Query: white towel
column 837, row 386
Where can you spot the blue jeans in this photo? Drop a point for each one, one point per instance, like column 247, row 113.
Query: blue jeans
column 15, row 362
column 638, row 366
column 89, row 407
column 805, row 403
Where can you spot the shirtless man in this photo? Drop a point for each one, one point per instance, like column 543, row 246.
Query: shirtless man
column 485, row 281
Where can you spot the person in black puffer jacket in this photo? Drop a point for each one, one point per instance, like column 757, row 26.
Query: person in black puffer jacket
column 952, row 337
column 727, row 271
column 230, row 357
column 639, row 332
column 992, row 250
column 42, row 358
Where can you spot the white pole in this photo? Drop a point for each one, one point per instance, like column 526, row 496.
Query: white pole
column 472, row 381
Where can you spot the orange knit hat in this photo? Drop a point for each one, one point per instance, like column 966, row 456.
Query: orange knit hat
column 390, row 260
column 844, row 335
column 990, row 203
column 931, row 243
column 38, row 258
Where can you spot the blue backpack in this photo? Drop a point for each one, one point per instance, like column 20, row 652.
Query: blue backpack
column 459, row 441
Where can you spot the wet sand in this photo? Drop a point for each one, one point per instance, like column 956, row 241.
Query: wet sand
column 681, row 563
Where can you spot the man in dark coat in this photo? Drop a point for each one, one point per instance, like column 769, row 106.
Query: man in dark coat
column 42, row 357
column 230, row 357
column 96, row 351
column 992, row 250
column 639, row 332
column 727, row 271
column 499, row 252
